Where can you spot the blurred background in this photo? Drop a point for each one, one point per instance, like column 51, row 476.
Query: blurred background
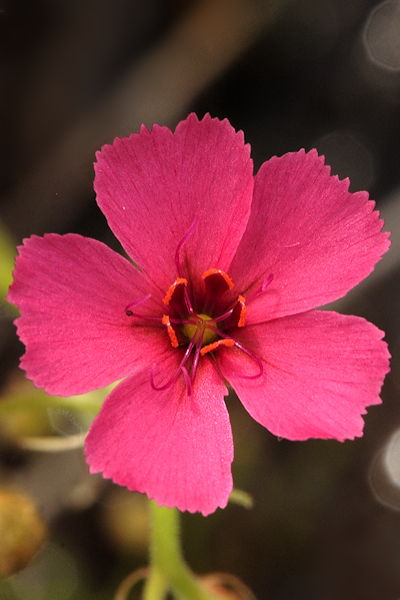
column 326, row 74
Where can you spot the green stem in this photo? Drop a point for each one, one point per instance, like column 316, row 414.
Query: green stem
column 167, row 562
column 156, row 586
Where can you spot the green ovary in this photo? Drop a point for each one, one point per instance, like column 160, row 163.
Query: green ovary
column 200, row 331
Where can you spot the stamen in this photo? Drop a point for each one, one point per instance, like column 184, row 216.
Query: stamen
column 211, row 347
column 174, row 290
column 170, row 330
column 177, row 296
column 237, row 314
column 179, row 246
column 216, row 284
column 217, row 281
column 243, row 311
column 256, row 358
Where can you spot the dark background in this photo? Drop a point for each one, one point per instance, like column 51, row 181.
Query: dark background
column 291, row 74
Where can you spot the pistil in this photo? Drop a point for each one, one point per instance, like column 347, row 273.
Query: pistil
column 200, row 329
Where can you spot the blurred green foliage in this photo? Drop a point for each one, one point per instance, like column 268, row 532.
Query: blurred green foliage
column 7, row 255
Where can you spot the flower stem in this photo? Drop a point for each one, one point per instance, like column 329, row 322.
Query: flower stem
column 168, row 567
column 156, row 586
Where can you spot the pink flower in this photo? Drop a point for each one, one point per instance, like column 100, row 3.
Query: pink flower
column 231, row 267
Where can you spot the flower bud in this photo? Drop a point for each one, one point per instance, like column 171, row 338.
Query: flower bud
column 22, row 531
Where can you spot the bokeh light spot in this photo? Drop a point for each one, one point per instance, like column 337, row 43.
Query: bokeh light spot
column 382, row 35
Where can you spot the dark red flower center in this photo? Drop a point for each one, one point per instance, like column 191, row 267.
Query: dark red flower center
column 200, row 317
column 205, row 321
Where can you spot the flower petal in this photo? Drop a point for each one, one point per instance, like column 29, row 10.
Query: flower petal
column 175, row 448
column 310, row 233
column 72, row 292
column 153, row 186
column 321, row 370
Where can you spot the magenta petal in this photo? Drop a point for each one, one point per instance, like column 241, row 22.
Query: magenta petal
column 321, row 370
column 153, row 186
column 175, row 448
column 72, row 292
column 306, row 229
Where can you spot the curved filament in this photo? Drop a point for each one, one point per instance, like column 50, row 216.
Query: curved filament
column 131, row 313
column 171, row 380
column 265, row 285
column 225, row 315
column 188, row 302
column 256, row 358
column 195, row 362
column 128, row 311
column 188, row 381
column 180, row 244
column 241, row 304
column 249, row 353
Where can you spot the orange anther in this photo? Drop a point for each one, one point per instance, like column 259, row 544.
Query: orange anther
column 243, row 311
column 224, row 276
column 170, row 330
column 210, row 347
column 172, row 288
